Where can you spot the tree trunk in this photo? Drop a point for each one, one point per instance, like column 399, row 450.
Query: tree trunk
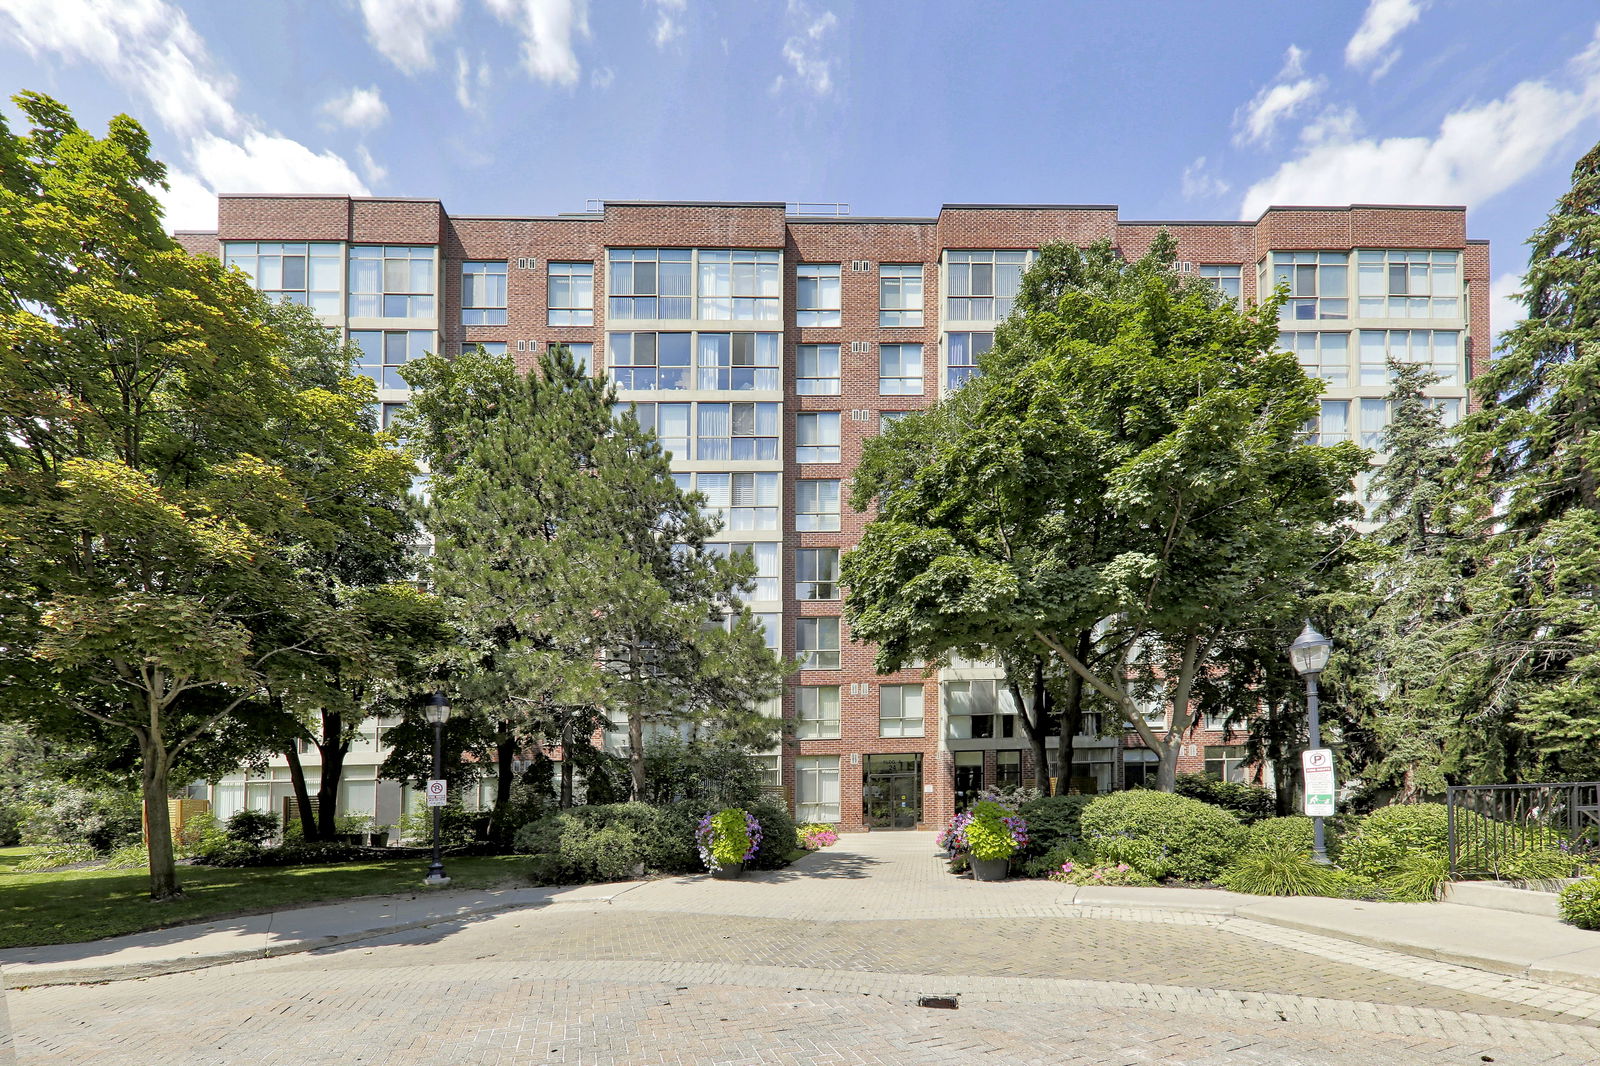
column 635, row 728
column 1071, row 718
column 333, row 747
column 1167, row 768
column 158, row 823
column 302, row 795
column 566, row 761
column 505, row 749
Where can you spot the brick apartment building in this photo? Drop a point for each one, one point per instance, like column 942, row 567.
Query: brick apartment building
column 765, row 345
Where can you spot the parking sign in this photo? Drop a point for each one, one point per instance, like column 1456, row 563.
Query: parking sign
column 438, row 790
column 1317, row 764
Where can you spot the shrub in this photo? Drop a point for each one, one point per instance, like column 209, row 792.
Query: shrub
column 457, row 826
column 1381, row 841
column 813, row 836
column 1280, row 868
column 1249, row 803
column 132, row 857
column 55, row 856
column 1294, row 830
column 1050, row 862
column 1099, row 874
column 612, row 852
column 52, row 813
column 321, row 853
column 777, row 835
column 662, row 839
column 1539, row 864
column 1053, row 821
column 252, row 827
column 1418, row 877
column 1580, row 903
column 730, row 837
column 707, row 773
column 995, row 831
column 1162, row 834
column 202, row 835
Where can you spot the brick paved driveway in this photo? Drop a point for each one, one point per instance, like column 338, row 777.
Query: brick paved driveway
column 822, row 964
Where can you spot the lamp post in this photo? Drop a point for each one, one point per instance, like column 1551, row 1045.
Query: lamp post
column 438, row 712
column 1309, row 654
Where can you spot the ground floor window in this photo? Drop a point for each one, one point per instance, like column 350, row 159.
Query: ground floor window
column 1225, row 762
column 1008, row 769
column 1139, row 767
column 968, row 778
column 816, row 788
column 1092, row 770
column 770, row 768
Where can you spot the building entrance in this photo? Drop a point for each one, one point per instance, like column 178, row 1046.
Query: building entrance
column 891, row 791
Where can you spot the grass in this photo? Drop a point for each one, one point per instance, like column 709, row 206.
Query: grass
column 70, row 906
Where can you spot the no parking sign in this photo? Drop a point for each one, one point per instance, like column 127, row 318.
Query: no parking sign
column 1318, row 767
column 437, row 792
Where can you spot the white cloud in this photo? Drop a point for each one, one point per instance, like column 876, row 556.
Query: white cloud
column 150, row 50
column 1478, row 151
column 1200, row 184
column 602, row 77
column 809, row 60
column 472, row 83
column 669, row 20
column 1290, row 92
column 404, row 30
column 358, row 108
column 1369, row 46
column 374, row 170
column 548, row 28
column 1505, row 310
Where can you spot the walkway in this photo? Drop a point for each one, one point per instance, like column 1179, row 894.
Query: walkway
column 826, row 962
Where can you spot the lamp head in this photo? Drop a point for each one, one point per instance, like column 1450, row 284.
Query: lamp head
column 438, row 709
column 1310, row 650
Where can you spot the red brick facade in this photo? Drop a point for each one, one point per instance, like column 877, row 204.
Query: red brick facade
column 859, row 246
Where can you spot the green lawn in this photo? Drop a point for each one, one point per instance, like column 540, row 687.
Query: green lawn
column 76, row 905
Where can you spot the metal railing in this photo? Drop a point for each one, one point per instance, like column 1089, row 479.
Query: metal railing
column 1491, row 826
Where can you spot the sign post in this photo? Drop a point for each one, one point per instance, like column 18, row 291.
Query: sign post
column 438, row 792
column 1317, row 764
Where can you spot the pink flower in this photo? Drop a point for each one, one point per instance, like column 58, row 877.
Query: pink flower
column 1066, row 867
column 1123, row 867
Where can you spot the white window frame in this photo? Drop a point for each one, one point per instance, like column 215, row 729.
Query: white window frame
column 569, row 278
column 896, row 376
column 812, row 433
column 484, row 310
column 900, row 299
column 816, row 642
column 811, row 492
column 815, row 358
column 817, row 712
column 816, row 788
column 900, row 699
column 816, row 294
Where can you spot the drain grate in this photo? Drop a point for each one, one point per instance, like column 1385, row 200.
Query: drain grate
column 939, row 1002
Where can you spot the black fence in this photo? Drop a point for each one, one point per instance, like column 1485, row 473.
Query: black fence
column 1522, row 832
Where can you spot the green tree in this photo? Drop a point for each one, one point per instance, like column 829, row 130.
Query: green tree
column 143, row 507
column 1129, row 474
column 575, row 570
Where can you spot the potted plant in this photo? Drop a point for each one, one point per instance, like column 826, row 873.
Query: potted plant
column 727, row 840
column 352, row 828
column 991, row 837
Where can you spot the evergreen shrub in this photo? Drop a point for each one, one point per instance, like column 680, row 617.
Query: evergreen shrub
column 1162, row 834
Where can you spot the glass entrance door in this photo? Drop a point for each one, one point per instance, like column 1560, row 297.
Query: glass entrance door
column 891, row 791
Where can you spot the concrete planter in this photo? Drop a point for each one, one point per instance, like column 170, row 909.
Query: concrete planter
column 728, row 873
column 990, row 869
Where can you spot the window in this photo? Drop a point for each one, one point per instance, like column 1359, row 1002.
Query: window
column 900, row 294
column 889, row 418
column 1333, row 425
column 668, row 421
column 1225, row 279
column 816, row 437
column 964, row 350
column 1225, row 762
column 582, row 353
column 739, row 286
column 817, row 370
column 1318, row 285
column 1154, row 711
column 391, row 281
column 483, row 293
column 765, row 556
column 384, row 352
column 1449, row 411
column 651, row 283
column 816, row 788
column 1322, row 355
column 492, row 347
column 817, row 643
column 738, row 361
column 899, row 710
column 816, row 574
column 649, row 361
column 1392, row 284
column 816, row 506
column 899, row 370
column 569, row 294
column 744, row 502
column 1374, row 422
column 386, row 414
column 771, row 770
column 979, row 710
column 738, row 431
column 983, row 285
column 817, row 712
column 1008, row 769
column 1437, row 349
column 816, row 292
column 291, row 273
column 1139, row 767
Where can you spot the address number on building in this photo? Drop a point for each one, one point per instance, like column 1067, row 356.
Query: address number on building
column 438, row 792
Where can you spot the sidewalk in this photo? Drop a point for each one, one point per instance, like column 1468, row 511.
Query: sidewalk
column 870, row 877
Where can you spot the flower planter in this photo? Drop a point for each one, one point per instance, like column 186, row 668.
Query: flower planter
column 990, row 869
column 729, row 873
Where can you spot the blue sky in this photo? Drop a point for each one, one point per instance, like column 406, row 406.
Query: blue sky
column 1170, row 109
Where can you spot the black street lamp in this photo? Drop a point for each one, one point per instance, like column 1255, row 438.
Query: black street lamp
column 438, row 712
column 1309, row 654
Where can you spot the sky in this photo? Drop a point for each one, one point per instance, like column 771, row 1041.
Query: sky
column 1168, row 108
